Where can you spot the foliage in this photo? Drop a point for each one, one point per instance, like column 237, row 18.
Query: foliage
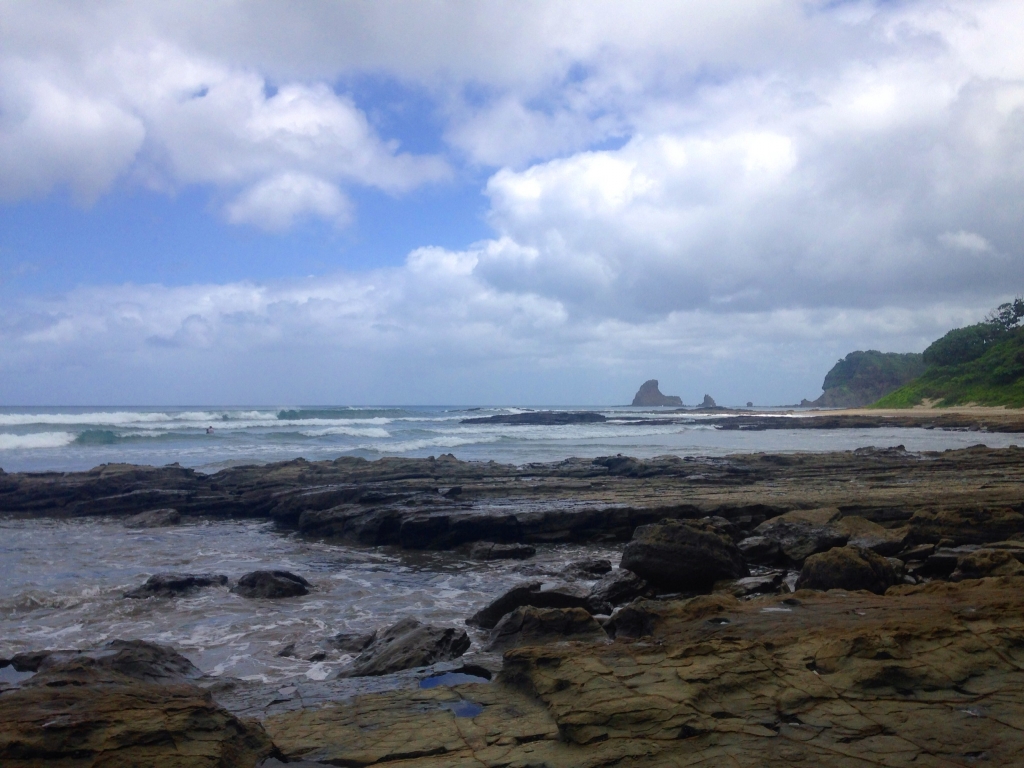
column 864, row 376
column 996, row 377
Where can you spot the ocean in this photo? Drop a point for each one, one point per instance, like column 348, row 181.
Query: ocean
column 212, row 438
column 63, row 581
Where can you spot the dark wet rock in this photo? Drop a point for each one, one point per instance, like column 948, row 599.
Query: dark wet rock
column 530, row 625
column 488, row 550
column 409, row 644
column 271, row 584
column 921, row 552
column 850, row 568
column 631, row 621
column 128, row 703
column 650, row 395
column 804, row 532
column 534, row 593
column 589, row 568
column 986, row 562
column 288, row 652
column 614, row 588
column 540, row 418
column 176, row 584
column 763, row 584
column 154, row 518
column 352, row 643
column 760, row 549
column 682, row 556
column 869, row 535
column 943, row 561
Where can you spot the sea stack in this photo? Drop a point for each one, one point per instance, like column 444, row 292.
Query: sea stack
column 649, row 394
column 709, row 402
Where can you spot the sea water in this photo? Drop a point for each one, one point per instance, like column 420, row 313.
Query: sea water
column 62, row 583
column 209, row 439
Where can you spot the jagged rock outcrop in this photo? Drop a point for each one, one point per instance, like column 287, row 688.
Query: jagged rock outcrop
column 128, row 703
column 682, row 555
column 650, row 395
column 534, row 594
column 614, row 588
column 708, row 402
column 792, row 537
column 861, row 378
column 406, row 645
column 529, row 625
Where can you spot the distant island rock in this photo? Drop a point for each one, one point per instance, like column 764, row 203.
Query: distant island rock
column 862, row 377
column 709, row 402
column 649, row 394
column 540, row 417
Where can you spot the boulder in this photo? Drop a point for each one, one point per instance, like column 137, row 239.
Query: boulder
column 588, row 568
column 532, row 593
column 804, row 532
column 528, row 625
column 406, row 645
column 650, row 395
column 849, row 568
column 128, row 703
column 760, row 549
column 864, row 533
column 351, row 642
column 682, row 555
column 154, row 518
column 176, row 584
column 614, row 588
column 272, row 584
column 986, row 562
column 488, row 550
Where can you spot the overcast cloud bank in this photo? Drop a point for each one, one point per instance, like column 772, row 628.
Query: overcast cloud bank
column 690, row 193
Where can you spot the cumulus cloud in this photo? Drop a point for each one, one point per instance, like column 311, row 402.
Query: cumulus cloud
column 679, row 185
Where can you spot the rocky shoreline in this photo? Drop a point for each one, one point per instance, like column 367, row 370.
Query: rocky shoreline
column 851, row 608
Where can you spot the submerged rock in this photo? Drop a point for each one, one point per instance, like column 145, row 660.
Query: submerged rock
column 588, row 568
column 682, row 556
column 176, row 584
column 850, row 568
column 154, row 518
column 488, row 550
column 531, row 593
column 409, row 644
column 271, row 584
column 530, row 625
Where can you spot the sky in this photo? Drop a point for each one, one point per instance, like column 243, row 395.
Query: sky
column 428, row 202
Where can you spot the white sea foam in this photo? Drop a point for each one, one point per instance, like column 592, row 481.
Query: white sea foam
column 11, row 442
column 350, row 431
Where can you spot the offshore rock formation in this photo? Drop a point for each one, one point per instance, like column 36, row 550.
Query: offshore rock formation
column 649, row 395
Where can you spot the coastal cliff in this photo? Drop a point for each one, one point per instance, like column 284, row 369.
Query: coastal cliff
column 861, row 378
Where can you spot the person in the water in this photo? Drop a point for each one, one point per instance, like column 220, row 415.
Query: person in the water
column 209, row 430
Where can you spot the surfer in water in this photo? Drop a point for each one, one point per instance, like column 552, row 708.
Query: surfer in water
column 209, row 430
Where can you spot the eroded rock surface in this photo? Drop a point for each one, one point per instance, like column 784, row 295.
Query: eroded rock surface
column 923, row 676
column 406, row 645
column 124, row 705
column 682, row 556
column 529, row 625
column 852, row 568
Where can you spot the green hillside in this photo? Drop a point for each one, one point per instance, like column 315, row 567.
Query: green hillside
column 981, row 364
column 864, row 376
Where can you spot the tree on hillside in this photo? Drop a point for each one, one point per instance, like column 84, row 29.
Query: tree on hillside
column 961, row 345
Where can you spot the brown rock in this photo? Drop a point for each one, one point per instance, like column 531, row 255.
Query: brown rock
column 803, row 532
column 682, row 556
column 987, row 562
column 851, row 568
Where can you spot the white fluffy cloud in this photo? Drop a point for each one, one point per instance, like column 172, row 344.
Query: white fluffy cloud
column 688, row 186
